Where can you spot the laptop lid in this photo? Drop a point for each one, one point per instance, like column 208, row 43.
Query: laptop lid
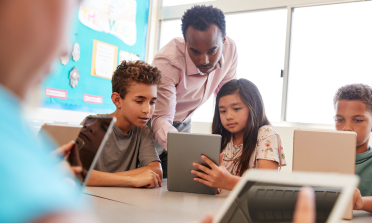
column 183, row 150
column 269, row 196
column 90, row 143
column 61, row 133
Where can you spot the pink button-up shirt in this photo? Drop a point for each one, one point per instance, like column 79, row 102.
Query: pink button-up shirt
column 183, row 89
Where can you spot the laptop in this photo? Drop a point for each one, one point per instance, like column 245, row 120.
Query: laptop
column 89, row 144
column 183, row 150
column 61, row 133
column 268, row 196
column 325, row 151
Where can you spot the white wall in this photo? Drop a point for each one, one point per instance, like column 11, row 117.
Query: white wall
column 38, row 116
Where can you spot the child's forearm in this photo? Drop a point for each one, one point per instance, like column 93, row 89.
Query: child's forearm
column 154, row 166
column 98, row 178
column 231, row 182
column 367, row 204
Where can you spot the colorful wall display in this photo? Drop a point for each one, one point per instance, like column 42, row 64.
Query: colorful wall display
column 112, row 27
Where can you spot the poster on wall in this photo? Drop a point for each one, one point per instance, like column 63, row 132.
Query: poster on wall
column 104, row 59
column 117, row 29
column 115, row 17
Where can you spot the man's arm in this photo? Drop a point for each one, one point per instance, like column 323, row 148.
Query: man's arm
column 165, row 108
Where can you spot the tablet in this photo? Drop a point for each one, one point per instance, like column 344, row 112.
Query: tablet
column 61, row 133
column 89, row 144
column 269, row 196
column 325, row 151
column 183, row 150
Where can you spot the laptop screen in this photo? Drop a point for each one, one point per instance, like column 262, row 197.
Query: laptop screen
column 88, row 144
column 263, row 202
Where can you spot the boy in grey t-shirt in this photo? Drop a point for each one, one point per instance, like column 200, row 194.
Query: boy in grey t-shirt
column 129, row 157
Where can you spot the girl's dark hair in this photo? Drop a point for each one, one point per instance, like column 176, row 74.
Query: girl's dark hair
column 251, row 96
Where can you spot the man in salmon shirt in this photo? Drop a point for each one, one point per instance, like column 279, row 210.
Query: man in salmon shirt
column 192, row 68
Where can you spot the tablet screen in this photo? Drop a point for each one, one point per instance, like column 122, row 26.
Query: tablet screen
column 88, row 143
column 263, row 202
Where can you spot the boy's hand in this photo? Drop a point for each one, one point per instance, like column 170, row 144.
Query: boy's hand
column 358, row 202
column 217, row 176
column 147, row 179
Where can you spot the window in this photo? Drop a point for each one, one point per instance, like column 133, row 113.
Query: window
column 169, row 30
column 260, row 39
column 331, row 46
column 182, row 2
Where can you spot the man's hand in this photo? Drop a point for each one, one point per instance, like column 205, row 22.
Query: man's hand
column 358, row 202
column 147, row 179
column 215, row 176
column 305, row 206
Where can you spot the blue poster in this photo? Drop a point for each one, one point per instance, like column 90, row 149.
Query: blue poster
column 121, row 23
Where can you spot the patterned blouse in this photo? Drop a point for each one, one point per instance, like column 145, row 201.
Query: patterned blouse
column 269, row 147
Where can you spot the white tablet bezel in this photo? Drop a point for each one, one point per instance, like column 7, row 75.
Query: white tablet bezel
column 346, row 182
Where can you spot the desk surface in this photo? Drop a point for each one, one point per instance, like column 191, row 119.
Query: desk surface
column 118, row 204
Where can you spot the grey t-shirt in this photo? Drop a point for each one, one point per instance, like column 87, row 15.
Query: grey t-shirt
column 127, row 151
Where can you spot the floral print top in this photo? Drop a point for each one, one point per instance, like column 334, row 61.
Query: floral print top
column 269, row 147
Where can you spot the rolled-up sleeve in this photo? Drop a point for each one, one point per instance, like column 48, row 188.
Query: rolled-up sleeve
column 165, row 108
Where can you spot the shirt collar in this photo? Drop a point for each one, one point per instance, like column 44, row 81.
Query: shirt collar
column 191, row 69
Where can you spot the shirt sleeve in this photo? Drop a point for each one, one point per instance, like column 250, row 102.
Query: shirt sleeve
column 165, row 109
column 147, row 152
column 231, row 74
column 270, row 148
column 34, row 184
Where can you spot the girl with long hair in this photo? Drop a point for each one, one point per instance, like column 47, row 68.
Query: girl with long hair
column 248, row 140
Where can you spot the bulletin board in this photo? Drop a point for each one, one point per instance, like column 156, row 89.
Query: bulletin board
column 101, row 21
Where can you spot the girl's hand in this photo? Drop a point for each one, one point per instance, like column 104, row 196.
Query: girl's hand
column 217, row 176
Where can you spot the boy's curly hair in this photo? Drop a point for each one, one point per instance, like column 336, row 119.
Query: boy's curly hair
column 133, row 71
column 355, row 92
column 200, row 17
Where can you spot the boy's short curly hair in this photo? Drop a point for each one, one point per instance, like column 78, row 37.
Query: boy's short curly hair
column 133, row 71
column 355, row 92
column 200, row 17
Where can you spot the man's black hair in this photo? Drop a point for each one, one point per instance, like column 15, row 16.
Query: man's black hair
column 200, row 17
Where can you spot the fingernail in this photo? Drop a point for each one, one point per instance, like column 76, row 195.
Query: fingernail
column 194, row 164
column 192, row 171
column 202, row 156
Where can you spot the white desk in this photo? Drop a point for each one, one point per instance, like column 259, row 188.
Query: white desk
column 118, row 204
